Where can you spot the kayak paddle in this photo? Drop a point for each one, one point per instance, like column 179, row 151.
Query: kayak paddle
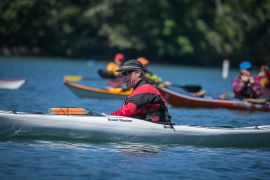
column 79, row 78
column 189, row 88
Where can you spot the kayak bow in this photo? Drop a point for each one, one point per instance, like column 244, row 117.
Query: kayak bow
column 11, row 83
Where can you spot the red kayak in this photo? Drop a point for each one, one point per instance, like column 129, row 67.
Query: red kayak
column 184, row 101
column 266, row 93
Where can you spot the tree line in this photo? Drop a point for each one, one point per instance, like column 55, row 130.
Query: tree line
column 191, row 32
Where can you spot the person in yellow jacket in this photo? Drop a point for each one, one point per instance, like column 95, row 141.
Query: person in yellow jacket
column 116, row 80
column 117, row 62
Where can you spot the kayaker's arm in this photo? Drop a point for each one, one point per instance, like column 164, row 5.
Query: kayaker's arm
column 238, row 86
column 128, row 110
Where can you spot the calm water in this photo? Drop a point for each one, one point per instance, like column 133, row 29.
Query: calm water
column 40, row 159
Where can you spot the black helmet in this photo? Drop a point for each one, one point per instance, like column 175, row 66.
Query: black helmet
column 131, row 65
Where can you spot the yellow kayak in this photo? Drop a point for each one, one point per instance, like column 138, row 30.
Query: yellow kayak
column 83, row 91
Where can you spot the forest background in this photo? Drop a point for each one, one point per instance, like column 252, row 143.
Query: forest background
column 185, row 32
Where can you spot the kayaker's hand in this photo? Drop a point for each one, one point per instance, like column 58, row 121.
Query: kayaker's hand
column 245, row 78
column 167, row 84
column 251, row 80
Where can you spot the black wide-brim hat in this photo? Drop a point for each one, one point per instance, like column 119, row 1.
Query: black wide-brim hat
column 131, row 65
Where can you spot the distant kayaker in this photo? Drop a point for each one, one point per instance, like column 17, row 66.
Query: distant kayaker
column 246, row 86
column 145, row 102
column 112, row 67
column 153, row 78
column 264, row 76
column 117, row 62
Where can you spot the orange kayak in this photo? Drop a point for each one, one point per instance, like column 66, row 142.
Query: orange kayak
column 83, row 91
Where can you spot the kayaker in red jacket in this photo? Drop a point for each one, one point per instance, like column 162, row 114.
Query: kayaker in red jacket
column 246, row 86
column 145, row 102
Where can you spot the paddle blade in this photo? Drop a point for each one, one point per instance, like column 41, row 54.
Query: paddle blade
column 73, row 78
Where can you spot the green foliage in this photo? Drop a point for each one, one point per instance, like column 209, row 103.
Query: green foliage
column 184, row 43
column 204, row 31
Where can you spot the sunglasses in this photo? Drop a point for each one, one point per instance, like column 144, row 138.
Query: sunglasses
column 127, row 73
column 245, row 74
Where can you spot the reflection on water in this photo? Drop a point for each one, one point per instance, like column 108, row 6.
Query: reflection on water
column 139, row 148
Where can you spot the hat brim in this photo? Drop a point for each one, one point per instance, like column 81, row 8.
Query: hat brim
column 127, row 68
column 246, row 68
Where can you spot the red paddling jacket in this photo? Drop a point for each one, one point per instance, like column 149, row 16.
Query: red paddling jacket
column 146, row 103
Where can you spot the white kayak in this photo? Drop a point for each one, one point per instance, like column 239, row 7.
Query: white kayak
column 116, row 128
column 11, row 83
